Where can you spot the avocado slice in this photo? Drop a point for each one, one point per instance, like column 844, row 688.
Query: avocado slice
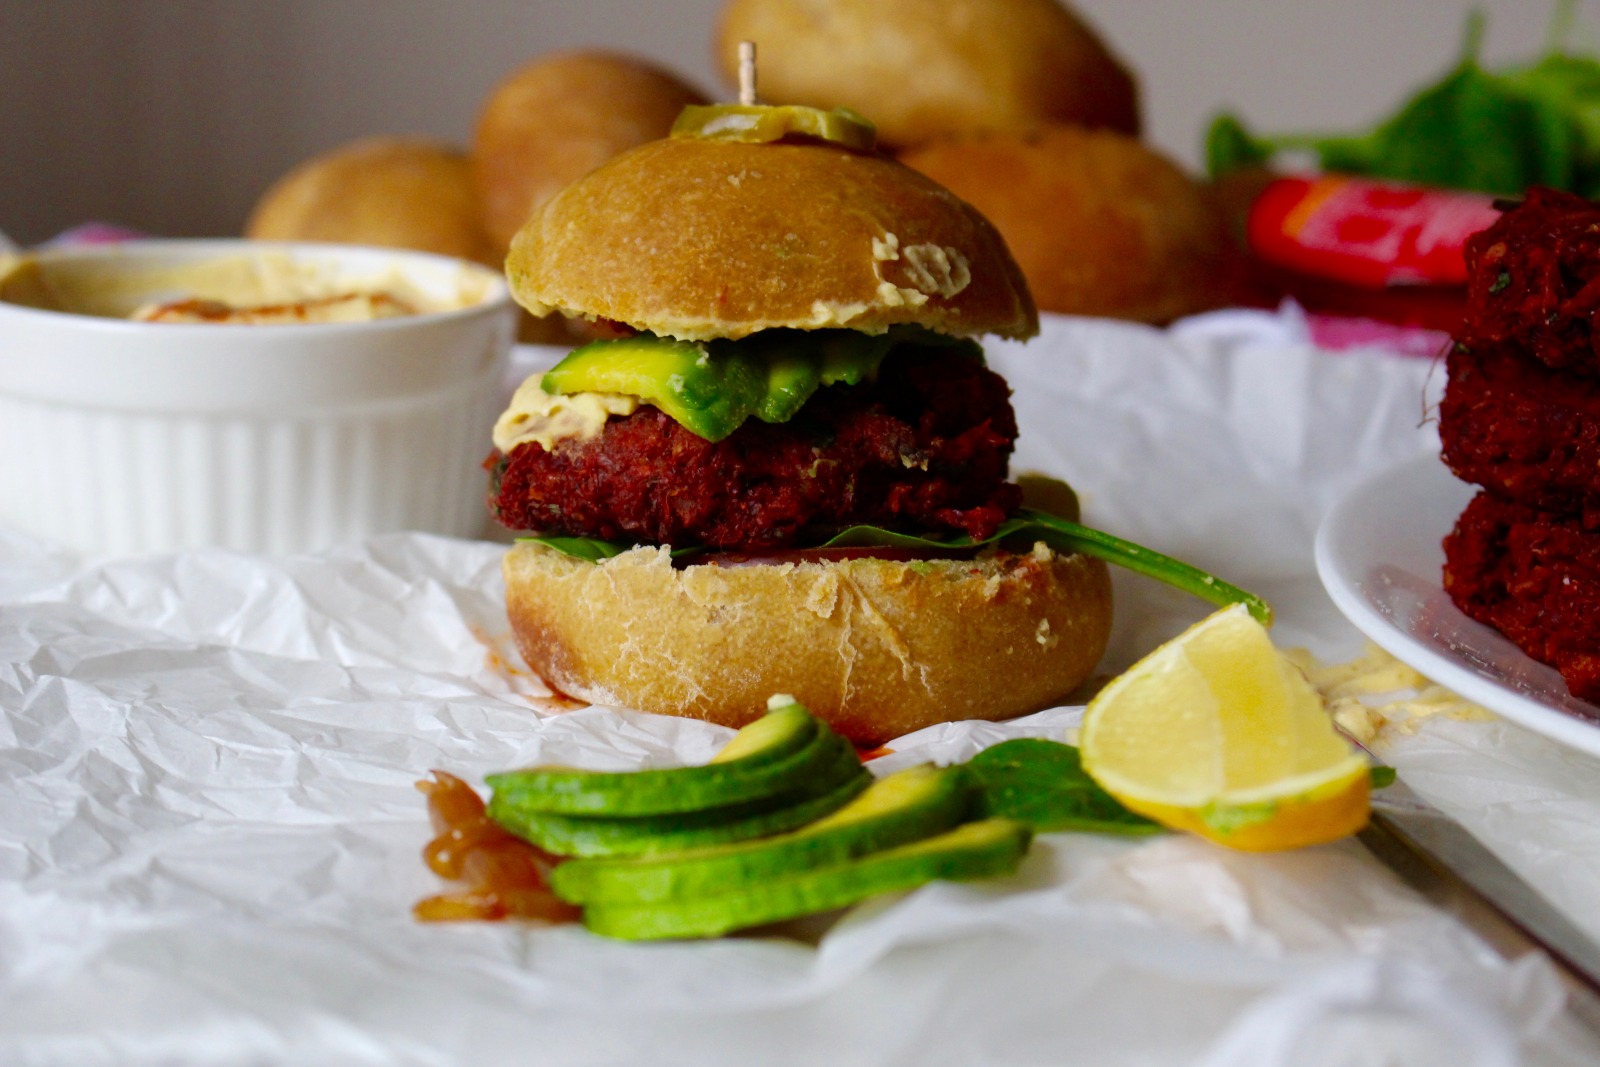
column 711, row 388
column 708, row 398
column 774, row 754
column 836, row 782
column 906, row 806
column 974, row 850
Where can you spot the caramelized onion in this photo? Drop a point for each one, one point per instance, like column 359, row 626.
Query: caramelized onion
column 502, row 876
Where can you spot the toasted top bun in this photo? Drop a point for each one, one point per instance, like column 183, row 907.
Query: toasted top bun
column 875, row 647
column 390, row 191
column 926, row 69
column 700, row 239
column 1101, row 224
column 558, row 118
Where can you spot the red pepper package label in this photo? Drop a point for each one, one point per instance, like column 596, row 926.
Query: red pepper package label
column 1365, row 232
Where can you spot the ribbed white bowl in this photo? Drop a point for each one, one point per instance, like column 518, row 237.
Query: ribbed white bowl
column 125, row 437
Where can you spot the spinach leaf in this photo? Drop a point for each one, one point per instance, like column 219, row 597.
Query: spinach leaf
column 594, row 550
column 1476, row 130
column 1060, row 534
column 1068, row 536
column 1043, row 784
column 1229, row 146
column 1569, row 85
column 1490, row 131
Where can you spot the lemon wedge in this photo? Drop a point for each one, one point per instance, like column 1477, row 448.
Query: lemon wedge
column 1216, row 732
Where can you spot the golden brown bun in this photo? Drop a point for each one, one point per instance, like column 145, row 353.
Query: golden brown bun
column 926, row 69
column 1101, row 224
column 556, row 119
column 389, row 191
column 877, row 648
column 701, row 239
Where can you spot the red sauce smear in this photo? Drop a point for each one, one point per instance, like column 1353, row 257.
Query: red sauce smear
column 502, row 876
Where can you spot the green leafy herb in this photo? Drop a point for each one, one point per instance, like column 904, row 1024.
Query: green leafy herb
column 1229, row 146
column 1382, row 777
column 1069, row 536
column 594, row 550
column 1061, row 534
column 585, row 548
column 1496, row 131
column 1042, row 783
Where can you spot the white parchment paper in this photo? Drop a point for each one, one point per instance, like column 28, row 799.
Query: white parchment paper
column 210, row 837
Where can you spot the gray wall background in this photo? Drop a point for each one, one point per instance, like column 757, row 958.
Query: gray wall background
column 173, row 115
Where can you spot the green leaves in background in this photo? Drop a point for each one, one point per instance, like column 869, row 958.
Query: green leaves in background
column 1494, row 131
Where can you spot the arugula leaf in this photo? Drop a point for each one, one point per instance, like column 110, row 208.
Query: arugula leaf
column 1043, row 784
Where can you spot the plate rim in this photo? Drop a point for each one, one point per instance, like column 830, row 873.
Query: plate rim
column 1333, row 571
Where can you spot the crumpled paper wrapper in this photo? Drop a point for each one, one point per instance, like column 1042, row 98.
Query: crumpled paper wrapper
column 211, row 836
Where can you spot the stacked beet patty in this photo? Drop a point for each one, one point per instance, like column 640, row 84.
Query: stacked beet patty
column 1521, row 419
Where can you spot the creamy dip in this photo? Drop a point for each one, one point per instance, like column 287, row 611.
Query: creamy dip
column 270, row 288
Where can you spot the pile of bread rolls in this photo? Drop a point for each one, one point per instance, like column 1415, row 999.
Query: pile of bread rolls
column 1015, row 105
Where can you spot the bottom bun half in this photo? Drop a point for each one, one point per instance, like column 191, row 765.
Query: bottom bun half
column 875, row 647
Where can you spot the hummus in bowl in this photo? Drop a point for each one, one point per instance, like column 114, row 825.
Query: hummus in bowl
column 159, row 395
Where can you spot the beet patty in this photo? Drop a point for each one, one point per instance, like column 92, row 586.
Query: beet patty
column 1534, row 282
column 1525, row 432
column 1535, row 577
column 923, row 447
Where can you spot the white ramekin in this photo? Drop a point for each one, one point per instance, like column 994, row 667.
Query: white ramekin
column 123, row 437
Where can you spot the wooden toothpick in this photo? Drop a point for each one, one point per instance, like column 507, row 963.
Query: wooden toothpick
column 747, row 73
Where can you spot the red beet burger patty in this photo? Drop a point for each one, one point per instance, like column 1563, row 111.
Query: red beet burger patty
column 1535, row 577
column 923, row 446
column 1525, row 432
column 1533, row 282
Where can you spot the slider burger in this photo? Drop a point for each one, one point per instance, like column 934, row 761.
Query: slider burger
column 789, row 472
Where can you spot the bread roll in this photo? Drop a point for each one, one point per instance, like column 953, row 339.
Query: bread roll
column 1100, row 224
column 395, row 192
column 703, row 239
column 558, row 118
column 875, row 647
column 928, row 69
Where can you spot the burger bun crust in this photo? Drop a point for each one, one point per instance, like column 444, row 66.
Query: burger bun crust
column 701, row 239
column 875, row 647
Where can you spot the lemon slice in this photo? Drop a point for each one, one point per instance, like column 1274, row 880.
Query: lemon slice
column 1216, row 732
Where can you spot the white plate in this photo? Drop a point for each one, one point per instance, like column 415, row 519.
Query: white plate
column 1379, row 555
